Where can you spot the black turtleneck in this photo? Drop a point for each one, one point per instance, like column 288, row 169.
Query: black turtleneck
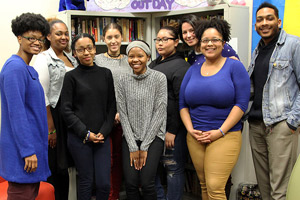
column 88, row 100
column 174, row 67
column 260, row 75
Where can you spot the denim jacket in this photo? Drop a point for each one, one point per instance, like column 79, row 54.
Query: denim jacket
column 281, row 95
column 52, row 71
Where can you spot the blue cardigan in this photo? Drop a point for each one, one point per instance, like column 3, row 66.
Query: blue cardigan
column 24, row 129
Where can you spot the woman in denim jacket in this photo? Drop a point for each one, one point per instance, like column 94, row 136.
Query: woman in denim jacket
column 52, row 65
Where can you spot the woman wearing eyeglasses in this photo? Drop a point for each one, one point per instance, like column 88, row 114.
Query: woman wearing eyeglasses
column 213, row 97
column 173, row 65
column 52, row 65
column 118, row 64
column 89, row 108
column 187, row 28
column 23, row 137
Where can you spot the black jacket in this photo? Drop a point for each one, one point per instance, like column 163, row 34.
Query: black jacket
column 174, row 67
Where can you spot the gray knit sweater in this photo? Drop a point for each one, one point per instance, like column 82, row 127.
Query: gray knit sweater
column 142, row 105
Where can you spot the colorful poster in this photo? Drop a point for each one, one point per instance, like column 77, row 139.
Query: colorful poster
column 291, row 17
column 142, row 5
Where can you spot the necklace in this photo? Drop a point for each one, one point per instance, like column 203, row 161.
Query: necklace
column 113, row 56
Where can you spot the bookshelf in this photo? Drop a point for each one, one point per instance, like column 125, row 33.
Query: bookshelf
column 237, row 17
column 134, row 25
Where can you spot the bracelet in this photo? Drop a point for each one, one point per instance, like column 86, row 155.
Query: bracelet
column 87, row 136
column 52, row 132
column 222, row 132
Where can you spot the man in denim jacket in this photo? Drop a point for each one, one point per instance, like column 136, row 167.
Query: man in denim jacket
column 275, row 112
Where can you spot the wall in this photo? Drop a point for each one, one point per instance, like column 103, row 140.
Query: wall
column 13, row 8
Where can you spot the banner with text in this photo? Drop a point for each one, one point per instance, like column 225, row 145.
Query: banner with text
column 142, row 5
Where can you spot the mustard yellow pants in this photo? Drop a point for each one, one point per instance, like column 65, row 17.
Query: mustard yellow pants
column 214, row 162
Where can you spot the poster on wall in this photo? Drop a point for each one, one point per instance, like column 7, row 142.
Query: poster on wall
column 142, row 5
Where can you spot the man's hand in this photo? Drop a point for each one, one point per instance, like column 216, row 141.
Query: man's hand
column 30, row 163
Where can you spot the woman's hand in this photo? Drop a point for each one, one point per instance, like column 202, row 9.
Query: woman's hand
column 52, row 140
column 234, row 58
column 143, row 158
column 195, row 133
column 209, row 136
column 117, row 118
column 51, row 128
column 96, row 138
column 135, row 159
column 170, row 140
column 31, row 163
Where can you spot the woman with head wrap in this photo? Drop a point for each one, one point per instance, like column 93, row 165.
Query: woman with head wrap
column 142, row 104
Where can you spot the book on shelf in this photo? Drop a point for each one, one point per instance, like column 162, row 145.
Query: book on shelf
column 132, row 28
column 171, row 21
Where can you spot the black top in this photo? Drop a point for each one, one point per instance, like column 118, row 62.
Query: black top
column 88, row 100
column 174, row 67
column 260, row 75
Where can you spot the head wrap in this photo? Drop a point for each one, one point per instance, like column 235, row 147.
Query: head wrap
column 138, row 44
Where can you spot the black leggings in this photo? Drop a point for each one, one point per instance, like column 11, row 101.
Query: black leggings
column 145, row 178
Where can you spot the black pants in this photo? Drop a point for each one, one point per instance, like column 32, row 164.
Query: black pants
column 92, row 162
column 144, row 178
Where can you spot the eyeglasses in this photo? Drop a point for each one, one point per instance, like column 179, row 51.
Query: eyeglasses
column 33, row 39
column 164, row 40
column 214, row 41
column 82, row 50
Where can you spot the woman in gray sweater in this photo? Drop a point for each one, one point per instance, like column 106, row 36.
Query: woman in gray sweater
column 142, row 104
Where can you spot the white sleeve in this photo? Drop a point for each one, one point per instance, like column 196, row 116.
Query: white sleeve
column 41, row 66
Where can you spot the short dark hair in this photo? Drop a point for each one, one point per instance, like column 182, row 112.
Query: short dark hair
column 81, row 35
column 268, row 5
column 173, row 31
column 191, row 19
column 222, row 26
column 29, row 22
column 112, row 26
column 55, row 21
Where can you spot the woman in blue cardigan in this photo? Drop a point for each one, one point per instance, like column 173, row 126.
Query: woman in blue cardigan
column 24, row 132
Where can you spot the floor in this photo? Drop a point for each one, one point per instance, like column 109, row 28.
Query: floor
column 186, row 196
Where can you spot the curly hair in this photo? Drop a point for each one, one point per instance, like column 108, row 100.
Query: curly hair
column 222, row 26
column 29, row 22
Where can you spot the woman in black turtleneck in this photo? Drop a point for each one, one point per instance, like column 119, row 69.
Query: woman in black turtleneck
column 173, row 65
column 89, row 108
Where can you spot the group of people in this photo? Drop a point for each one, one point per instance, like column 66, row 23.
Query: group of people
column 112, row 115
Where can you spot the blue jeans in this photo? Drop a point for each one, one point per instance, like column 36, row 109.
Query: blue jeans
column 174, row 161
column 93, row 163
